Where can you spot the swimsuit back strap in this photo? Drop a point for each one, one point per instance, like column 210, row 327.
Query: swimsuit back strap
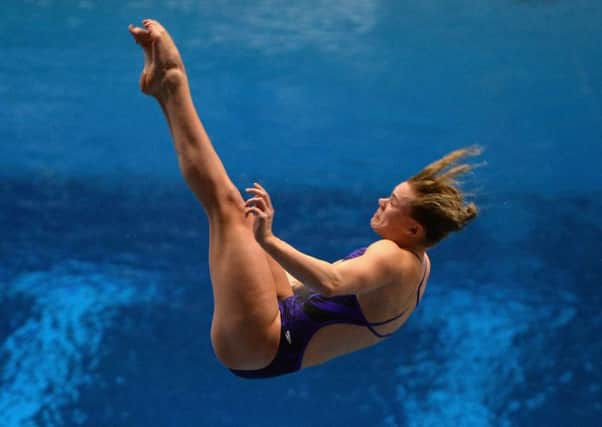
column 375, row 332
column 370, row 325
column 388, row 320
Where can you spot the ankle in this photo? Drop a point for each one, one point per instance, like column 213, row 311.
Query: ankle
column 174, row 79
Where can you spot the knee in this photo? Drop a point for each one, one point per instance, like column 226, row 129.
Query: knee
column 229, row 197
column 211, row 190
column 224, row 202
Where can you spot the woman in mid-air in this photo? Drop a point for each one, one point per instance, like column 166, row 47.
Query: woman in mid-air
column 276, row 309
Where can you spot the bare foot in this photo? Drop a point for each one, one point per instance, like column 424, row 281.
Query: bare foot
column 163, row 67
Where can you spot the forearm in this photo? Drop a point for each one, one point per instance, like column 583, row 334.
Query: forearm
column 312, row 272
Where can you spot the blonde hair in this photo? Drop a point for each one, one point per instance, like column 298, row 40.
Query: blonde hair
column 439, row 204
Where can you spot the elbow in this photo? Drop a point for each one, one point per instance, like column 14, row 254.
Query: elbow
column 327, row 290
column 331, row 286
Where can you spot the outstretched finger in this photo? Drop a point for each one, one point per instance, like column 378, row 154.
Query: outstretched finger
column 254, row 191
column 259, row 193
column 267, row 195
column 256, row 201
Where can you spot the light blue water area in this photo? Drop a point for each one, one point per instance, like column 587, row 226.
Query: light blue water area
column 104, row 284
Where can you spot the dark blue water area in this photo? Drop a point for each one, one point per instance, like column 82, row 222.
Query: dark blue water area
column 105, row 295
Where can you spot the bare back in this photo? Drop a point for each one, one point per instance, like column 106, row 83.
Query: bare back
column 378, row 304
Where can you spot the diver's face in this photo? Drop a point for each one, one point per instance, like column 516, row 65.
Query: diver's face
column 392, row 215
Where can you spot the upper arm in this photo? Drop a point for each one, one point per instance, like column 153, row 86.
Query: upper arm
column 382, row 264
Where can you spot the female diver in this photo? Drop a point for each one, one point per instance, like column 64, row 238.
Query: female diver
column 276, row 309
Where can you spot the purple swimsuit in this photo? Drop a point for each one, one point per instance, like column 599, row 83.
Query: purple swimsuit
column 303, row 317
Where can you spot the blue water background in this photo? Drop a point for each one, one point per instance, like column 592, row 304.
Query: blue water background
column 105, row 296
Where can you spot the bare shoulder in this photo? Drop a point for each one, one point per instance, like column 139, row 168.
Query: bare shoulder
column 388, row 250
column 388, row 255
column 383, row 245
column 383, row 264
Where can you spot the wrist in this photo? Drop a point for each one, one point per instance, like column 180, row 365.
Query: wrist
column 268, row 242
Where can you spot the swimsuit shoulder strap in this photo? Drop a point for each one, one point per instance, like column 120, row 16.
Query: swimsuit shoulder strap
column 371, row 324
column 426, row 263
column 356, row 253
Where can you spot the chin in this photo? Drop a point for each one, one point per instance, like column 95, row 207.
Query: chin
column 374, row 227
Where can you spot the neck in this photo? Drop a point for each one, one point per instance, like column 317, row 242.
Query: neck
column 417, row 250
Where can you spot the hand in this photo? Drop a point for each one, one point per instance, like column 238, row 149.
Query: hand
column 261, row 206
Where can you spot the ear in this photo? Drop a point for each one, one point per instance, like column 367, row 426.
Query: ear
column 415, row 229
column 411, row 231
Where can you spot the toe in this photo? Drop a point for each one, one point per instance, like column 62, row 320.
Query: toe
column 135, row 30
column 156, row 24
column 139, row 34
column 153, row 29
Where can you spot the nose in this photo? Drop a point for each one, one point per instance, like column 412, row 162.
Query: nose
column 382, row 201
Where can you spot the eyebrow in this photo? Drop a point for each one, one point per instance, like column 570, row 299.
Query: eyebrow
column 398, row 199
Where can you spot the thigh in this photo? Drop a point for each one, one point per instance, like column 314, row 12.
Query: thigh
column 242, row 280
column 281, row 281
column 235, row 255
column 246, row 321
